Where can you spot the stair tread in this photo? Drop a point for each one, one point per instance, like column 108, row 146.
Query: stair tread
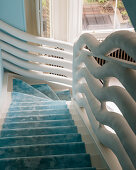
column 45, row 102
column 48, row 162
column 49, row 144
column 40, row 107
column 38, row 112
column 32, row 104
column 38, row 131
column 20, row 96
column 38, row 117
column 21, row 86
column 85, row 168
column 40, row 139
column 42, row 149
column 38, row 124
column 47, row 90
column 64, row 95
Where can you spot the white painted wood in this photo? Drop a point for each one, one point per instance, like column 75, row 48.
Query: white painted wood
column 5, row 100
column 36, row 66
column 35, row 58
column 33, row 48
column 36, row 75
column 86, row 80
column 110, row 159
column 74, row 19
column 35, row 39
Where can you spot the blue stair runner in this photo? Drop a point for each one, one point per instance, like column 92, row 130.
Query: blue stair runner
column 45, row 89
column 64, row 95
column 39, row 133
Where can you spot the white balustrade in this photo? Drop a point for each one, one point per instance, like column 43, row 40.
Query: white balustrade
column 88, row 76
column 35, row 57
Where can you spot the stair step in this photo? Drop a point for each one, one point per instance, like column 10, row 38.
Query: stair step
column 40, row 107
column 19, row 97
column 38, row 131
column 45, row 89
column 85, row 168
column 46, row 162
column 23, row 87
column 20, row 100
column 41, row 139
column 31, row 124
column 37, row 112
column 64, row 95
column 42, row 150
column 47, row 102
column 37, row 118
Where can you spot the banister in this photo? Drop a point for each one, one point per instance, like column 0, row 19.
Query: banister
column 34, row 39
column 87, row 74
column 35, row 57
column 107, row 138
column 35, row 66
column 34, row 48
column 36, row 75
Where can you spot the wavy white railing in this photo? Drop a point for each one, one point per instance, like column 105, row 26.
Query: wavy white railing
column 87, row 74
column 35, row 57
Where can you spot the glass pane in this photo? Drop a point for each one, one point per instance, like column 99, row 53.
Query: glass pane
column 46, row 18
column 98, row 14
column 122, row 18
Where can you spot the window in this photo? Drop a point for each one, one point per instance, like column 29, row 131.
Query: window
column 45, row 18
column 66, row 20
column 104, row 15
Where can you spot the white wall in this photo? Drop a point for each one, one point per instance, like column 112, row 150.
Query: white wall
column 13, row 13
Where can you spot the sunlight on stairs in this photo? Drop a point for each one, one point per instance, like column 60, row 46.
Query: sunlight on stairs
column 39, row 133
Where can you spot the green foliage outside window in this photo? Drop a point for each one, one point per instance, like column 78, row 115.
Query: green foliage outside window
column 44, row 3
column 99, row 1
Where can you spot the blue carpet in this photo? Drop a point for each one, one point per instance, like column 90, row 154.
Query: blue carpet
column 22, row 87
column 39, row 133
column 45, row 89
column 64, row 95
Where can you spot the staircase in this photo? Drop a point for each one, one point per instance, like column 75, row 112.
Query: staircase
column 39, row 133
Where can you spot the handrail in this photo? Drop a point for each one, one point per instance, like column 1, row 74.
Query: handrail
column 35, row 39
column 37, row 75
column 29, row 55
column 87, row 74
column 35, row 58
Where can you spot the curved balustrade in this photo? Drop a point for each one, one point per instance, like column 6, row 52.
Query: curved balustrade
column 87, row 74
column 34, row 39
column 36, row 57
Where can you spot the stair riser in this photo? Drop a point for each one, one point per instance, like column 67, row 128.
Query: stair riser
column 89, row 168
column 48, row 139
column 38, row 131
column 41, row 112
column 37, row 107
column 22, row 87
column 42, row 150
column 20, row 99
column 50, row 162
column 45, row 89
column 38, row 124
column 14, row 104
column 38, row 118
